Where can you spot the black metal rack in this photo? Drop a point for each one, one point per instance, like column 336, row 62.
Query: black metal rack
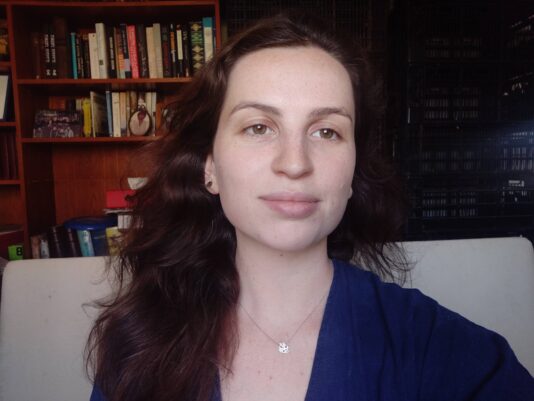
column 465, row 125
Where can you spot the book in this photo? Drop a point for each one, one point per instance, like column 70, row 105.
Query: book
column 87, row 120
column 79, row 56
column 151, row 52
column 102, row 50
column 197, row 45
column 157, row 49
column 5, row 96
column 86, row 62
column 207, row 29
column 4, row 41
column 119, row 53
column 172, row 42
column 187, row 51
column 179, row 51
column 113, row 236
column 93, row 56
column 125, row 51
column 74, row 58
column 116, row 111
column 57, row 124
column 52, row 45
column 112, row 62
column 62, row 47
column 142, row 53
column 165, row 51
column 99, row 114
column 132, row 51
column 46, row 50
column 122, row 113
column 57, row 242
column 109, row 110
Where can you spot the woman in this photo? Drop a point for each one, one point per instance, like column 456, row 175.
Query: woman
column 234, row 282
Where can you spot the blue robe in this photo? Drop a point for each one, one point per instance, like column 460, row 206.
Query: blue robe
column 379, row 341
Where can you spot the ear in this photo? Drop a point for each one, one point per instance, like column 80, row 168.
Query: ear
column 210, row 176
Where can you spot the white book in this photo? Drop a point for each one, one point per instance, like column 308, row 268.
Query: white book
column 102, row 50
column 115, row 103
column 179, row 46
column 207, row 30
column 4, row 87
column 157, row 49
column 93, row 55
column 151, row 52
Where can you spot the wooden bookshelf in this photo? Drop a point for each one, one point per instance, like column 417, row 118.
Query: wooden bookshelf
column 61, row 178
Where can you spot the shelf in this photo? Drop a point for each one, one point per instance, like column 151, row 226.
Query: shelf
column 5, row 65
column 109, row 81
column 9, row 183
column 8, row 124
column 90, row 140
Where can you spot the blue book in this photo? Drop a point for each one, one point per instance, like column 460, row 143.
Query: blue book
column 73, row 55
column 86, row 244
column 109, row 107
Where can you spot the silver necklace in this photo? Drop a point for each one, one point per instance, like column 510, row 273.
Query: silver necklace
column 283, row 346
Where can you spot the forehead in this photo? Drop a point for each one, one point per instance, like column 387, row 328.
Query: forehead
column 290, row 76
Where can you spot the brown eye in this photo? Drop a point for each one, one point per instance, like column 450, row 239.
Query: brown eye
column 325, row 133
column 258, row 129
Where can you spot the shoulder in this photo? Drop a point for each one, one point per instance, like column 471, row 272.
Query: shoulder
column 435, row 346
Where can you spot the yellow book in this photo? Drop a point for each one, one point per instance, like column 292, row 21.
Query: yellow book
column 86, row 109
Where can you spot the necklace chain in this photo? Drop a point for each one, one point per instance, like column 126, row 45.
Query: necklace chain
column 283, row 346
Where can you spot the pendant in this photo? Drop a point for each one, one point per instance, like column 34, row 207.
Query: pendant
column 283, row 348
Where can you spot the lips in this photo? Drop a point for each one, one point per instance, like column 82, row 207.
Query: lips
column 293, row 205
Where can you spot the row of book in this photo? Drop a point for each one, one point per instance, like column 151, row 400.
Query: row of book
column 160, row 50
column 109, row 114
column 8, row 156
column 87, row 236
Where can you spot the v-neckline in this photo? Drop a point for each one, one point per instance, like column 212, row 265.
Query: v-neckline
column 320, row 348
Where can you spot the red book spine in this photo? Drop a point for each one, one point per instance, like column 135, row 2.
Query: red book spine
column 132, row 49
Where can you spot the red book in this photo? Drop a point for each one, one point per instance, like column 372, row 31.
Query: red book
column 118, row 199
column 132, row 50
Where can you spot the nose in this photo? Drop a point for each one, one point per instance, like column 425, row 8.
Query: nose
column 292, row 157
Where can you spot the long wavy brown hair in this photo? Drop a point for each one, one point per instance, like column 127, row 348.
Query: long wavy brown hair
column 170, row 326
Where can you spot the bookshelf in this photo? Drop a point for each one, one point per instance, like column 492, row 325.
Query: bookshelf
column 61, row 178
column 466, row 121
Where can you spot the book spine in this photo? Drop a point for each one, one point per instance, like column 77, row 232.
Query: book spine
column 166, row 51
column 187, row 51
column 53, row 58
column 153, row 108
column 73, row 244
column 86, row 245
column 157, row 48
column 93, row 55
column 102, row 50
column 46, row 48
column 179, row 51
column 172, row 42
column 119, row 56
column 132, row 51
column 112, row 65
column 123, row 119
column 142, row 54
column 197, row 45
column 62, row 55
column 87, row 120
column 207, row 26
column 151, row 52
column 100, row 243
column 109, row 109
column 125, row 51
column 86, row 59
column 116, row 111
column 128, row 112
column 79, row 56
column 74, row 58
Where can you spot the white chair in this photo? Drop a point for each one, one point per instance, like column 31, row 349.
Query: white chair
column 44, row 326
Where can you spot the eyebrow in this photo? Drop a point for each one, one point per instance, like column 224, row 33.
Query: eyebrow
column 320, row 112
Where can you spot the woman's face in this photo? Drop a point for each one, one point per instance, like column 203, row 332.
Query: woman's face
column 284, row 152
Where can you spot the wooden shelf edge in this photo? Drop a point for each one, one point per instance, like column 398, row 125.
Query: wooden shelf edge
column 8, row 124
column 109, row 81
column 9, row 183
column 90, row 140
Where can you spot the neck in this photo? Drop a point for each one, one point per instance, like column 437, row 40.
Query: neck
column 273, row 281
